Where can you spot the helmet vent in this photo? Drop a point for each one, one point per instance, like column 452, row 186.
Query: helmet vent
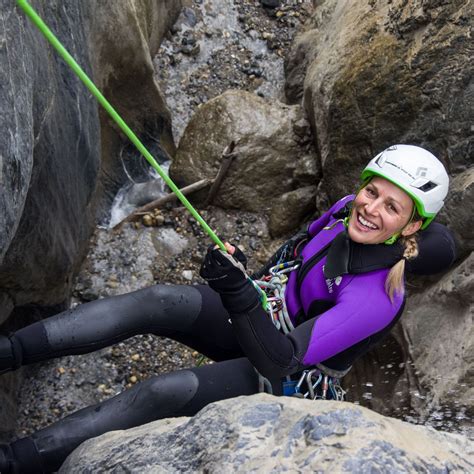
column 428, row 186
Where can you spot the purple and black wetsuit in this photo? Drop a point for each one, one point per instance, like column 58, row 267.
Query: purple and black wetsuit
column 337, row 317
column 336, row 300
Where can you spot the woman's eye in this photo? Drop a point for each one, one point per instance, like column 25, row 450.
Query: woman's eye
column 392, row 208
column 370, row 192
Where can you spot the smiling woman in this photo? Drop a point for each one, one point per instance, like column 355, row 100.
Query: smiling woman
column 404, row 187
column 381, row 210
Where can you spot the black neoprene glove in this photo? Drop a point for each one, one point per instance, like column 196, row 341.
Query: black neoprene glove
column 225, row 274
column 288, row 251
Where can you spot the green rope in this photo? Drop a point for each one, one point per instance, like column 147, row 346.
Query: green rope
column 47, row 33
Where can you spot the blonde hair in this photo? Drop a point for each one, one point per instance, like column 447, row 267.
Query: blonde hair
column 395, row 279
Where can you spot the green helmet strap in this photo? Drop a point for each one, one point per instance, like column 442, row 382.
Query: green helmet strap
column 393, row 239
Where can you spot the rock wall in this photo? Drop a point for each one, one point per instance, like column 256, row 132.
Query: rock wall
column 439, row 328
column 59, row 155
column 371, row 74
column 50, row 156
column 262, row 433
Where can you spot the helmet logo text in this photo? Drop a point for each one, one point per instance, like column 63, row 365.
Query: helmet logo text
column 421, row 171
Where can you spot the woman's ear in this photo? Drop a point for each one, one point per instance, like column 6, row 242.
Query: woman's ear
column 411, row 228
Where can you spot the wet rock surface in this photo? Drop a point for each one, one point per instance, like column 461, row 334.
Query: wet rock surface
column 38, row 124
column 445, row 373
column 259, row 433
column 125, row 37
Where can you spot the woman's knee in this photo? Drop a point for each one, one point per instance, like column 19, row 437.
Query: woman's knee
column 169, row 393
column 174, row 306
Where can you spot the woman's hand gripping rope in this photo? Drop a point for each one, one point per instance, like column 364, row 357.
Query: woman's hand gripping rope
column 226, row 273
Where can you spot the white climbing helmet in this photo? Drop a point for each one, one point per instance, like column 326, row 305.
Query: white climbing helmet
column 418, row 172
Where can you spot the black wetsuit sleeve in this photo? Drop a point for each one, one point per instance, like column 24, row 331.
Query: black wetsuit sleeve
column 272, row 353
column 437, row 251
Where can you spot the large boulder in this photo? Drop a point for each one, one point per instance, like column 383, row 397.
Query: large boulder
column 372, row 74
column 457, row 213
column 271, row 154
column 290, row 209
column 262, row 433
column 51, row 156
column 53, row 137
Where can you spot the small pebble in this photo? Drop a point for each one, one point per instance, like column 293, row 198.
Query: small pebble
column 187, row 275
column 147, row 220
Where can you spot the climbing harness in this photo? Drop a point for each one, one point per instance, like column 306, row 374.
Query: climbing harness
column 320, row 383
column 274, row 286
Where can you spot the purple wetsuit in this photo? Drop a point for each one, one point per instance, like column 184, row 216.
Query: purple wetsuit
column 336, row 319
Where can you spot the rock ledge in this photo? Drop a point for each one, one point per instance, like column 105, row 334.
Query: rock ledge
column 267, row 434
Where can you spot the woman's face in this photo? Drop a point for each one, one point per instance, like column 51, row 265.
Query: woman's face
column 380, row 210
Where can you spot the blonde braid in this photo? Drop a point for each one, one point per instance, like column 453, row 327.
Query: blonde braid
column 394, row 281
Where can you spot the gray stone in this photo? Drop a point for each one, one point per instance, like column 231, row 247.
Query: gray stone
column 442, row 318
column 457, row 213
column 268, row 155
column 54, row 140
column 261, row 433
column 50, row 156
column 168, row 242
column 124, row 38
column 187, row 274
column 290, row 209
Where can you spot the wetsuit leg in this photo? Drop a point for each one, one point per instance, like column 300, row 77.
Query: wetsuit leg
column 193, row 315
column 181, row 393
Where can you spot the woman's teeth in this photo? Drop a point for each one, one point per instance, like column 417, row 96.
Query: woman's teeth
column 366, row 223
